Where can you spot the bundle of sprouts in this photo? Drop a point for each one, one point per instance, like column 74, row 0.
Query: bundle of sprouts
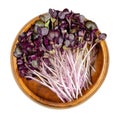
column 59, row 52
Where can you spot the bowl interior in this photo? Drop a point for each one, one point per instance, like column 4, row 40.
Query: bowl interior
column 44, row 95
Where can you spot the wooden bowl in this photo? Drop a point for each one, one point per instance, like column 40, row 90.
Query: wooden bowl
column 43, row 95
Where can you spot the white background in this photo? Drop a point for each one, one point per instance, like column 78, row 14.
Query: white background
column 14, row 104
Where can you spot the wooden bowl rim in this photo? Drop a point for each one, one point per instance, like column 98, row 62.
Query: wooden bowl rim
column 61, row 105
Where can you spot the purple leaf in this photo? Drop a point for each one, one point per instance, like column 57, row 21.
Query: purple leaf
column 53, row 13
column 44, row 31
column 102, row 36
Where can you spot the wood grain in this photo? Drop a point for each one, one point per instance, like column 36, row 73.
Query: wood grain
column 43, row 95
